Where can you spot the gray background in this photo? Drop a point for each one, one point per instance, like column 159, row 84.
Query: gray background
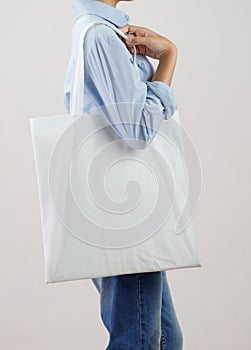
column 212, row 84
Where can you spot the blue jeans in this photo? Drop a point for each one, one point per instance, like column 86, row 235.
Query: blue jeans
column 138, row 312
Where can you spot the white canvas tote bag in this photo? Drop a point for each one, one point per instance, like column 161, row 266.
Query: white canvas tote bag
column 107, row 208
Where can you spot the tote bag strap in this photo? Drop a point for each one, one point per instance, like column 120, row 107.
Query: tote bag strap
column 77, row 85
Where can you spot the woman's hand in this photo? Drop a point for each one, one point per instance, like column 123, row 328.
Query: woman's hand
column 154, row 45
column 147, row 42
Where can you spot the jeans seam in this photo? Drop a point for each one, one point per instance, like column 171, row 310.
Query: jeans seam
column 163, row 342
column 140, row 315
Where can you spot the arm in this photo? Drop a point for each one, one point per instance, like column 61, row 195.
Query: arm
column 154, row 45
column 166, row 66
column 135, row 109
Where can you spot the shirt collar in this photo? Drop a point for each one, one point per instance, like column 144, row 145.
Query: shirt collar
column 101, row 9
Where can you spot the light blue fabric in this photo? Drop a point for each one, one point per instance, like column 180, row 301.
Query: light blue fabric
column 133, row 105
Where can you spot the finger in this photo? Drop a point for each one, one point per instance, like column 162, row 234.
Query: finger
column 128, row 36
column 138, row 40
column 130, row 28
column 124, row 29
column 129, row 47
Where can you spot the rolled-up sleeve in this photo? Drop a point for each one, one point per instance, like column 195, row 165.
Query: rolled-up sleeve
column 165, row 94
column 135, row 109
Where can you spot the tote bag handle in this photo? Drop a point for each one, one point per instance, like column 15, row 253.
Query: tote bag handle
column 77, row 85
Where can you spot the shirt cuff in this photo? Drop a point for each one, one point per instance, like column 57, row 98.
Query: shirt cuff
column 166, row 95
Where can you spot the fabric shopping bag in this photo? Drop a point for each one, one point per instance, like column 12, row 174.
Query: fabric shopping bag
column 107, row 208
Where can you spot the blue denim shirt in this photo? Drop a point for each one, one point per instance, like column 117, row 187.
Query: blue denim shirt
column 113, row 85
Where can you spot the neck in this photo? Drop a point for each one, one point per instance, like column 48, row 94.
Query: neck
column 112, row 3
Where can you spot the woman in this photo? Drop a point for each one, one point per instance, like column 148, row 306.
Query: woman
column 137, row 308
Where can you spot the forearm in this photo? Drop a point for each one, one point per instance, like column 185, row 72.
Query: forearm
column 166, row 66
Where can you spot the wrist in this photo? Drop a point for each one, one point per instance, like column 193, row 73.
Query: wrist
column 169, row 51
